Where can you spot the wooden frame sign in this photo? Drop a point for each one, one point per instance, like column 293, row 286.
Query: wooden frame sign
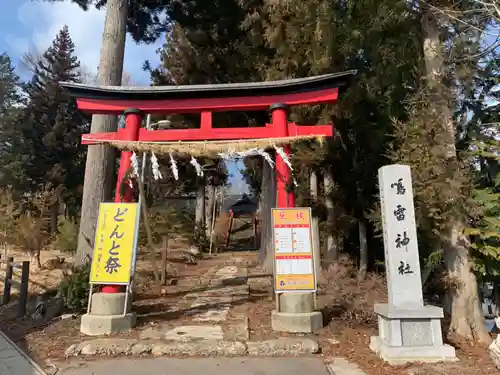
column 293, row 250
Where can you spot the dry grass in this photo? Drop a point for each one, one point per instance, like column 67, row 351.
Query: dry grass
column 49, row 276
column 55, row 262
column 348, row 297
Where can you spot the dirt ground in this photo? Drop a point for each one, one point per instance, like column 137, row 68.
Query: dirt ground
column 340, row 338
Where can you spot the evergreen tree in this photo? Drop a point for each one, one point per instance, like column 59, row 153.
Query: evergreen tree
column 52, row 125
column 11, row 103
column 205, row 45
column 9, row 85
column 451, row 53
column 143, row 20
column 378, row 38
column 485, row 231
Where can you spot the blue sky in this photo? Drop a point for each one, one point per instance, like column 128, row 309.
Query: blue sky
column 32, row 25
column 27, row 25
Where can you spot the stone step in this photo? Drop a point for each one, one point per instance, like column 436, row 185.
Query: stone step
column 223, row 348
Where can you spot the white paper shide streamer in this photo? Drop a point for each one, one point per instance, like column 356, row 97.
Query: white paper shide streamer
column 135, row 165
column 155, row 167
column 197, row 166
column 286, row 159
column 199, row 169
column 266, row 156
column 173, row 166
column 135, row 169
column 251, row 152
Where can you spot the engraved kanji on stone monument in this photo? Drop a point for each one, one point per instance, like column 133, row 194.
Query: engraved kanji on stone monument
column 400, row 236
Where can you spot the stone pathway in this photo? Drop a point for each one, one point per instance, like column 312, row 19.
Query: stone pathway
column 13, row 361
column 208, row 309
column 211, row 329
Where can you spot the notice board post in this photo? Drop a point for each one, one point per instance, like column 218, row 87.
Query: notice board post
column 294, row 272
column 113, row 263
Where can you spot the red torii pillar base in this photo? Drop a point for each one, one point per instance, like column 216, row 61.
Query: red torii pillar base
column 295, row 312
column 107, row 313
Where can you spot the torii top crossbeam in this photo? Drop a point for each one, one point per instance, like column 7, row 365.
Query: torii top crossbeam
column 212, row 98
column 205, row 99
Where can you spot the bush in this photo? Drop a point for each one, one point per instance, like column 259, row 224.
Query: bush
column 164, row 222
column 74, row 288
column 67, row 237
column 200, row 239
column 352, row 297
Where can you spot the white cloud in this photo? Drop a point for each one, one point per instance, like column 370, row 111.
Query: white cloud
column 46, row 19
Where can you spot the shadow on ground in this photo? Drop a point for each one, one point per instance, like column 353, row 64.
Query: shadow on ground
column 166, row 308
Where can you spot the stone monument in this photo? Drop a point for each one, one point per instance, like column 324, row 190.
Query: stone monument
column 408, row 330
column 494, row 348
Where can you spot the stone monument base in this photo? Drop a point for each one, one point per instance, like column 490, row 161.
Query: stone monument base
column 308, row 322
column 410, row 334
column 107, row 315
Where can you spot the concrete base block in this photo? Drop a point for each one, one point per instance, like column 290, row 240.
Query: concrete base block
column 296, row 302
column 109, row 303
column 96, row 325
column 306, row 322
column 395, row 355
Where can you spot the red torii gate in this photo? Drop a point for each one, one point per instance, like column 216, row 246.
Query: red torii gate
column 276, row 96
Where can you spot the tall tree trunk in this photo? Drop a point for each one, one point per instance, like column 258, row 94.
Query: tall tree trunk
column 37, row 258
column 466, row 315
column 331, row 244
column 200, row 206
column 363, row 249
column 100, row 166
column 54, row 215
column 267, row 201
column 209, row 209
column 315, row 221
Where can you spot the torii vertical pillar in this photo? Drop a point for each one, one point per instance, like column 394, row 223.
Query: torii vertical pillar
column 106, row 309
column 296, row 310
column 279, row 114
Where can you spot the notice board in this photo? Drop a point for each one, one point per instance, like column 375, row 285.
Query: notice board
column 293, row 250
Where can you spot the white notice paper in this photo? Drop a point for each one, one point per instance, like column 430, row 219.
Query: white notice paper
column 301, row 240
column 283, row 240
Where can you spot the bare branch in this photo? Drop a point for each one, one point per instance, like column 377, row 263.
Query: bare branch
column 29, row 61
column 90, row 77
column 489, row 10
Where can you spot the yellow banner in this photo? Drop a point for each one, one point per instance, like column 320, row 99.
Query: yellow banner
column 114, row 245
